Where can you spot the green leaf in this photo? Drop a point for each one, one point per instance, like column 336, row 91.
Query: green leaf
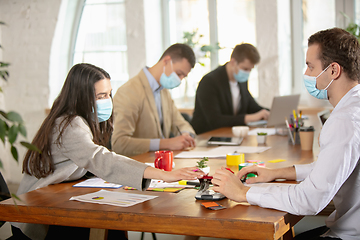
column 4, row 64
column 2, row 130
column 15, row 196
column 1, row 165
column 14, row 153
column 13, row 132
column 1, row 89
column 4, row 75
column 14, row 117
column 22, row 130
column 3, row 113
column 30, row 146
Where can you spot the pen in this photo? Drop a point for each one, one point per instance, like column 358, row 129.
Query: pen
column 229, row 170
column 288, row 127
column 178, row 130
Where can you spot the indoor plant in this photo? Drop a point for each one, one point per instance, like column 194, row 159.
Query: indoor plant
column 261, row 137
column 11, row 125
column 203, row 166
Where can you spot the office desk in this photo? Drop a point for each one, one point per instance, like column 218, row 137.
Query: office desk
column 173, row 213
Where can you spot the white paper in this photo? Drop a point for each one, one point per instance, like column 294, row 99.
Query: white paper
column 198, row 154
column 97, row 183
column 240, row 149
column 120, row 199
column 220, row 152
column 269, row 131
column 161, row 184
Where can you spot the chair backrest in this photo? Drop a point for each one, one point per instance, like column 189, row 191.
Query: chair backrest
column 4, row 192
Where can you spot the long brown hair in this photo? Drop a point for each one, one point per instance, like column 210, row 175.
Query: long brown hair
column 77, row 98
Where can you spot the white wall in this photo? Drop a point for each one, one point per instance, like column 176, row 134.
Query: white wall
column 27, row 42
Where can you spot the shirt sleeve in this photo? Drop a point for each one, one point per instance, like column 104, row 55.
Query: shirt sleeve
column 338, row 157
column 154, row 144
column 303, row 170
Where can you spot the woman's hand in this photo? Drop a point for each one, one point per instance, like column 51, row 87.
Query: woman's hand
column 187, row 173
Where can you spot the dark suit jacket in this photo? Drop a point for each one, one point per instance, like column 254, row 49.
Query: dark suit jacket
column 213, row 103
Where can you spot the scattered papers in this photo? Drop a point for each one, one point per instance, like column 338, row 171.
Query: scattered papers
column 120, row 199
column 220, row 152
column 161, row 186
column 269, row 131
column 240, row 149
column 97, row 183
column 198, row 154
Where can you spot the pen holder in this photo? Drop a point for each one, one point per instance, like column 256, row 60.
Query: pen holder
column 294, row 138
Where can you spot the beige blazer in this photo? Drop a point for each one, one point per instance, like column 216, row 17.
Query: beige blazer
column 77, row 155
column 136, row 119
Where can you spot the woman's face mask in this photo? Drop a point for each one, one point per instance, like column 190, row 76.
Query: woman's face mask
column 104, row 109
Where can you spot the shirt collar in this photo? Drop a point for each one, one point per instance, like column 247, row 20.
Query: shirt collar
column 348, row 95
column 154, row 85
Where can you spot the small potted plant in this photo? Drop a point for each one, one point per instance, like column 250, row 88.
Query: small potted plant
column 261, row 137
column 203, row 166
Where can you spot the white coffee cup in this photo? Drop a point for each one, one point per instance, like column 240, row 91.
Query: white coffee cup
column 240, row 131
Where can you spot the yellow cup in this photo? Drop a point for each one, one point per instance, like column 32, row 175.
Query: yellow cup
column 234, row 159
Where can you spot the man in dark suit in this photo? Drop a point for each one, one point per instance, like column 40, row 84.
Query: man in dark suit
column 223, row 98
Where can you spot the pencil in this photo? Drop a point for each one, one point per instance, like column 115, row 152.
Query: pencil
column 178, row 130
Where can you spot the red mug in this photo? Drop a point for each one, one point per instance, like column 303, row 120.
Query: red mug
column 164, row 160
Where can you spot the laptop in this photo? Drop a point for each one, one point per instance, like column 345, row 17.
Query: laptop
column 282, row 106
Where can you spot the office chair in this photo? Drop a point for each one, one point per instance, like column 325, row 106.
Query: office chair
column 4, row 192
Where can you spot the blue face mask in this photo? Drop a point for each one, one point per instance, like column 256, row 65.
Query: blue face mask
column 170, row 82
column 310, row 84
column 104, row 109
column 241, row 76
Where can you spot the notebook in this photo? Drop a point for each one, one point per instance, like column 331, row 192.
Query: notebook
column 281, row 107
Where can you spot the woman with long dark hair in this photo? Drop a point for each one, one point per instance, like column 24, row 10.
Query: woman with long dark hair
column 73, row 140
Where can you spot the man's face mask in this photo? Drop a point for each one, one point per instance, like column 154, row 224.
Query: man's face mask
column 171, row 81
column 310, row 84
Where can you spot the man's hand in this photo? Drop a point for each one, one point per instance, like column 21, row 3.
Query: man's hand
column 230, row 185
column 263, row 114
column 178, row 143
column 266, row 174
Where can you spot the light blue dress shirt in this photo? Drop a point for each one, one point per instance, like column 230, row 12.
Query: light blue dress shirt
column 156, row 88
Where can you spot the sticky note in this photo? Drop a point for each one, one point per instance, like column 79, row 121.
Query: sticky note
column 277, row 160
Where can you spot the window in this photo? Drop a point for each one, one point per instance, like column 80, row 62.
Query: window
column 198, row 15
column 236, row 25
column 316, row 16
column 101, row 38
column 189, row 16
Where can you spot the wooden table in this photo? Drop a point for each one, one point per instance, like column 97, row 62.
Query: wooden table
column 173, row 213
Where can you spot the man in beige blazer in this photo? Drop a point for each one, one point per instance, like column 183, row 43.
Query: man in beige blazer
column 144, row 112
